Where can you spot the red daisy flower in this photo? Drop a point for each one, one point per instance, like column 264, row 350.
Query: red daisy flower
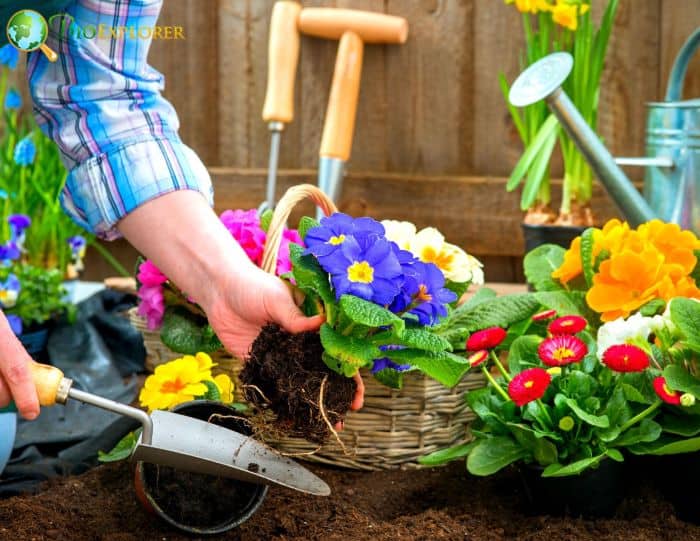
column 567, row 325
column 561, row 350
column 528, row 385
column 544, row 316
column 667, row 395
column 475, row 359
column 625, row 358
column 486, row 339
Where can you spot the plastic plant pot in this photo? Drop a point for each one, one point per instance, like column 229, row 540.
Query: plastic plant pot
column 35, row 342
column 561, row 235
column 195, row 503
column 595, row 492
column 8, row 427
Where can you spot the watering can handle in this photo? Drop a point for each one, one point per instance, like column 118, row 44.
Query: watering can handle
column 674, row 90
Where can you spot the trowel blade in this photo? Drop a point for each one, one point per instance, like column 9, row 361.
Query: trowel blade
column 200, row 447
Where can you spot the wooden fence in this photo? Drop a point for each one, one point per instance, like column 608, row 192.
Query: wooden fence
column 433, row 140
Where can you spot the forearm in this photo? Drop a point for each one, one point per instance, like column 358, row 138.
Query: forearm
column 185, row 239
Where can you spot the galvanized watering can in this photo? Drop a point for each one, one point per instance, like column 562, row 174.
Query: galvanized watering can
column 672, row 181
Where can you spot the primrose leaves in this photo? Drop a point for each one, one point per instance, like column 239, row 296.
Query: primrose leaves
column 345, row 354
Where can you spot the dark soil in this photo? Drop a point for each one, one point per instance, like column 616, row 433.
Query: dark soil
column 436, row 504
column 284, row 374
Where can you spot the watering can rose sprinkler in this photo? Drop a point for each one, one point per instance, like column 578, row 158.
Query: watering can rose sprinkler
column 672, row 182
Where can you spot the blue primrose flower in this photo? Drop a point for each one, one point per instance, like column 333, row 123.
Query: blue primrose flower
column 326, row 238
column 25, row 152
column 384, row 363
column 9, row 56
column 15, row 323
column 9, row 252
column 18, row 223
column 77, row 245
column 13, row 99
column 423, row 293
column 366, row 267
column 9, row 291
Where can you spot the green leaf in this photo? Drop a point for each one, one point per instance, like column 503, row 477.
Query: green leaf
column 570, row 303
column 444, row 456
column 213, row 392
column 351, row 353
column 559, row 470
column 536, row 147
column 646, row 431
column 186, row 332
column 493, row 454
column 369, row 314
column 587, row 255
column 444, row 367
column 601, row 421
column 543, row 450
column 685, row 313
column 681, row 425
column 305, row 224
column 481, row 295
column 537, row 172
column 266, row 219
column 679, row 379
column 540, row 263
column 616, row 455
column 312, row 279
column 667, row 445
column 497, row 312
column 458, row 288
column 122, row 450
column 523, row 353
column 414, row 337
column 652, row 308
column 390, row 377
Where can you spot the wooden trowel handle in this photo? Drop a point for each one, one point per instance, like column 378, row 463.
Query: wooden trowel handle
column 339, row 126
column 51, row 386
column 283, row 55
column 332, row 23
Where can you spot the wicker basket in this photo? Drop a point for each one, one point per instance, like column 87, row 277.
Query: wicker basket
column 394, row 427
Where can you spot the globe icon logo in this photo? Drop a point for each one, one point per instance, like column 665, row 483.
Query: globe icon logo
column 27, row 30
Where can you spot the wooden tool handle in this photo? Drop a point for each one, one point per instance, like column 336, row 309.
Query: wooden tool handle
column 283, row 55
column 332, row 23
column 339, row 126
column 48, row 381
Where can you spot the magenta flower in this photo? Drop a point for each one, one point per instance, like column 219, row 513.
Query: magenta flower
column 152, row 305
column 149, row 275
column 244, row 226
column 284, row 264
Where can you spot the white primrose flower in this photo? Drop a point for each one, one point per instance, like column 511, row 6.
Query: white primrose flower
column 633, row 330
column 401, row 233
column 429, row 246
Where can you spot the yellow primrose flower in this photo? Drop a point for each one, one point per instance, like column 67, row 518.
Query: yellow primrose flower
column 204, row 361
column 430, row 247
column 402, row 233
column 173, row 383
column 225, row 386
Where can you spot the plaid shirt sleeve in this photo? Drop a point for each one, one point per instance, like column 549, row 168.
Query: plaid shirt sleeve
column 101, row 103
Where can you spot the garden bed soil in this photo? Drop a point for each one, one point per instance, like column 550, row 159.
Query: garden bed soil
column 434, row 504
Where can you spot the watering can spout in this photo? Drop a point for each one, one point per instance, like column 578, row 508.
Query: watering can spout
column 543, row 80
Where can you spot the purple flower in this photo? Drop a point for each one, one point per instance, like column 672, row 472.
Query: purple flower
column 18, row 223
column 244, row 226
column 423, row 293
column 284, row 264
column 9, row 56
column 9, row 291
column 25, row 152
column 384, row 363
column 76, row 243
column 13, row 99
column 15, row 323
column 328, row 237
column 152, row 305
column 9, row 252
column 366, row 267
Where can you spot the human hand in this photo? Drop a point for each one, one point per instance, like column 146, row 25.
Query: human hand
column 248, row 300
column 15, row 377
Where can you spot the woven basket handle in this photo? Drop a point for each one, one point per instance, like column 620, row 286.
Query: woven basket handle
column 284, row 208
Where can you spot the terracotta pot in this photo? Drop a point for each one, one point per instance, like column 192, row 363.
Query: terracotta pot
column 595, row 492
column 174, row 496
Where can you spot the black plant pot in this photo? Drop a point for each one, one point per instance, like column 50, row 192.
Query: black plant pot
column 35, row 340
column 195, row 503
column 561, row 235
column 593, row 493
column 679, row 482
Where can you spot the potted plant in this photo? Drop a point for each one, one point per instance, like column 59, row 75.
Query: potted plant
column 187, row 386
column 582, row 389
column 550, row 26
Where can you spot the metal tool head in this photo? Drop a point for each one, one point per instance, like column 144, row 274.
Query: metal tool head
column 197, row 446
column 541, row 79
column 330, row 179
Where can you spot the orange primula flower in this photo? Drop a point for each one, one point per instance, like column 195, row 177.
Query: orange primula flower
column 676, row 245
column 625, row 282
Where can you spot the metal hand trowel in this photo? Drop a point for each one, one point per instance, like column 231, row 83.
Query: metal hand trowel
column 188, row 444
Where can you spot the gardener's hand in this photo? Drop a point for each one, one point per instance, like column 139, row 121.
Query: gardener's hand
column 15, row 378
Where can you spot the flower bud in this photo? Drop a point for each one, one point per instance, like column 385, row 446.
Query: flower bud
column 566, row 423
column 554, row 370
column 687, row 399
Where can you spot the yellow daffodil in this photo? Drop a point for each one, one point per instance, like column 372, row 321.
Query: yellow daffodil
column 429, row 246
column 530, row 6
column 565, row 14
column 402, row 233
column 225, row 386
column 173, row 383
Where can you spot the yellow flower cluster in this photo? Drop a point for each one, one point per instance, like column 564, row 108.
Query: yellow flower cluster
column 182, row 380
column 564, row 12
column 655, row 261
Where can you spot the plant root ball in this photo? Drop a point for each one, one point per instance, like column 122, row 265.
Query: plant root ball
column 284, row 374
